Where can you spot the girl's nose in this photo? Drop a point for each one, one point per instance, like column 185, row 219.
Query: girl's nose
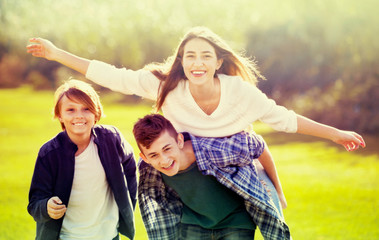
column 198, row 62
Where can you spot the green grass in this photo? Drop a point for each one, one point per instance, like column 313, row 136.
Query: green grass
column 331, row 194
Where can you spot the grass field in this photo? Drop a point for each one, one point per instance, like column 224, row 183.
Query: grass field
column 331, row 194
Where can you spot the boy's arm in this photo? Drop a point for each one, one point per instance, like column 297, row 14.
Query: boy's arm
column 350, row 140
column 40, row 191
column 128, row 164
column 269, row 166
column 43, row 48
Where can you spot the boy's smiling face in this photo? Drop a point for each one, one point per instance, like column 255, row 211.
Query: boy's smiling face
column 76, row 117
column 165, row 154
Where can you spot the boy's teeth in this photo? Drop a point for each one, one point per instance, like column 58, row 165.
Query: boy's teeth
column 168, row 165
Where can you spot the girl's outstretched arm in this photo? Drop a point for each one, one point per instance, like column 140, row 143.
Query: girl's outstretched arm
column 43, row 48
column 350, row 140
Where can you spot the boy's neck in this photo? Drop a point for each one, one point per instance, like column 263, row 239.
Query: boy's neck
column 81, row 142
column 188, row 155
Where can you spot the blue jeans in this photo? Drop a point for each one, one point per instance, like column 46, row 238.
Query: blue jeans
column 262, row 175
column 194, row 232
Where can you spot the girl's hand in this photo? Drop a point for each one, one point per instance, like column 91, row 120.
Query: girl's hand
column 350, row 140
column 43, row 48
column 55, row 208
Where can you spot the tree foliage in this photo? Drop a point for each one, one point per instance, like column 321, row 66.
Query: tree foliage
column 320, row 57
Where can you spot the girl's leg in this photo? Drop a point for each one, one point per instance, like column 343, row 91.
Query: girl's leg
column 263, row 177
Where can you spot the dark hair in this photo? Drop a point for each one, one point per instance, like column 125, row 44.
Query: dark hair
column 171, row 72
column 147, row 129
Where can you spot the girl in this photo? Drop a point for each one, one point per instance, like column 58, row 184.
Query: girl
column 78, row 188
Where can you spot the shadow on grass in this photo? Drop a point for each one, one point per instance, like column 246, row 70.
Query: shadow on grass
column 280, row 138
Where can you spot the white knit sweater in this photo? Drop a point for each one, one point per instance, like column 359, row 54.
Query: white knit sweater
column 240, row 105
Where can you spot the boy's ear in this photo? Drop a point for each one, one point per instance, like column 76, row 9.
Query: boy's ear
column 180, row 140
column 144, row 157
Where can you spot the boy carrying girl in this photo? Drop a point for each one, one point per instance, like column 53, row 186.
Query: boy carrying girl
column 202, row 188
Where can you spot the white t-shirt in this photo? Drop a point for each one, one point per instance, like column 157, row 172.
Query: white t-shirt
column 241, row 103
column 92, row 212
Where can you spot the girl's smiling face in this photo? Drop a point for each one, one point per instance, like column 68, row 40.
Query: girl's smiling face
column 76, row 117
column 200, row 61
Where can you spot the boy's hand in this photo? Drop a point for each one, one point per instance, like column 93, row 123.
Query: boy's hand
column 43, row 48
column 55, row 208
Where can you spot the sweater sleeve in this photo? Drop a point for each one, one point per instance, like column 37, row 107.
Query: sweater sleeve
column 278, row 117
column 141, row 82
column 255, row 105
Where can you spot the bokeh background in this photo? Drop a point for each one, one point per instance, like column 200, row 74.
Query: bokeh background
column 320, row 57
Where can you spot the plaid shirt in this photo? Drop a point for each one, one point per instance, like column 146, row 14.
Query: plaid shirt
column 230, row 160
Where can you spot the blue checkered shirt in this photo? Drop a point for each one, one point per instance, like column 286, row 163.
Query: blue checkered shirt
column 230, row 160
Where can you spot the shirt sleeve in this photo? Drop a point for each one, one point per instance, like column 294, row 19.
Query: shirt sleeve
column 142, row 82
column 237, row 150
column 160, row 205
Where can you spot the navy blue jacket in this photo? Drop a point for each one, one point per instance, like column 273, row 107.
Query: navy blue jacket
column 54, row 173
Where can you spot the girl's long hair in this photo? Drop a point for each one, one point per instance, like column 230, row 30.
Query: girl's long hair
column 171, row 71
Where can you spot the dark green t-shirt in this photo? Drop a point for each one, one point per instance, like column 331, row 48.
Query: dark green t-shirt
column 207, row 202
